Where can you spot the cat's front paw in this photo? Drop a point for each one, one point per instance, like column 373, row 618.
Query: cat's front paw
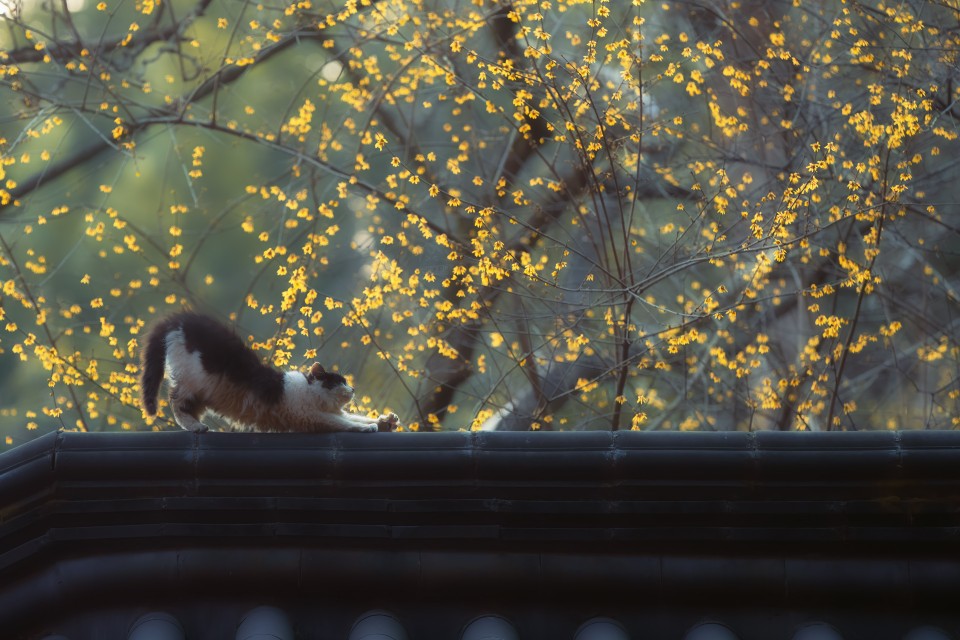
column 388, row 422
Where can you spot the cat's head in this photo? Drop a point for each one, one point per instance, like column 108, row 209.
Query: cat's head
column 329, row 385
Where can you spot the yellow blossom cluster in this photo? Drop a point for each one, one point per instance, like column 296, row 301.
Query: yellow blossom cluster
column 579, row 214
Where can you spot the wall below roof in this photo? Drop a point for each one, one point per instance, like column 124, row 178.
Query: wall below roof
column 763, row 531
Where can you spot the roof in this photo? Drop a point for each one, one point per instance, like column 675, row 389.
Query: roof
column 758, row 533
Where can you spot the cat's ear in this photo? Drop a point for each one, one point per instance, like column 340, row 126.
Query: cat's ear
column 316, row 370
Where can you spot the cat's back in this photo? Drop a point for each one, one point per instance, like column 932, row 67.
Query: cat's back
column 221, row 350
column 209, row 367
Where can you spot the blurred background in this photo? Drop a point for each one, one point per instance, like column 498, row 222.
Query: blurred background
column 498, row 215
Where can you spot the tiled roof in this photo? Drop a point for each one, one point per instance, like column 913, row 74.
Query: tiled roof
column 273, row 623
column 656, row 536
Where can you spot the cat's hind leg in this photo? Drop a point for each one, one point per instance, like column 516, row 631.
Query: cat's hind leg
column 187, row 412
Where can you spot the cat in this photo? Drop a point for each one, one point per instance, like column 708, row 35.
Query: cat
column 209, row 368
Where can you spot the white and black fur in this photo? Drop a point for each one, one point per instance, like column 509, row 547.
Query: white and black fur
column 209, row 368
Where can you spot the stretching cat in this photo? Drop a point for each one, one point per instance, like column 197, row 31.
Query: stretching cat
column 211, row 369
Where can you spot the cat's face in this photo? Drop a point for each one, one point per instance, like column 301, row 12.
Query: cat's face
column 329, row 386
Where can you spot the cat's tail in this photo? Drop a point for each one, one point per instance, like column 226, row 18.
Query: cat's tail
column 152, row 362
